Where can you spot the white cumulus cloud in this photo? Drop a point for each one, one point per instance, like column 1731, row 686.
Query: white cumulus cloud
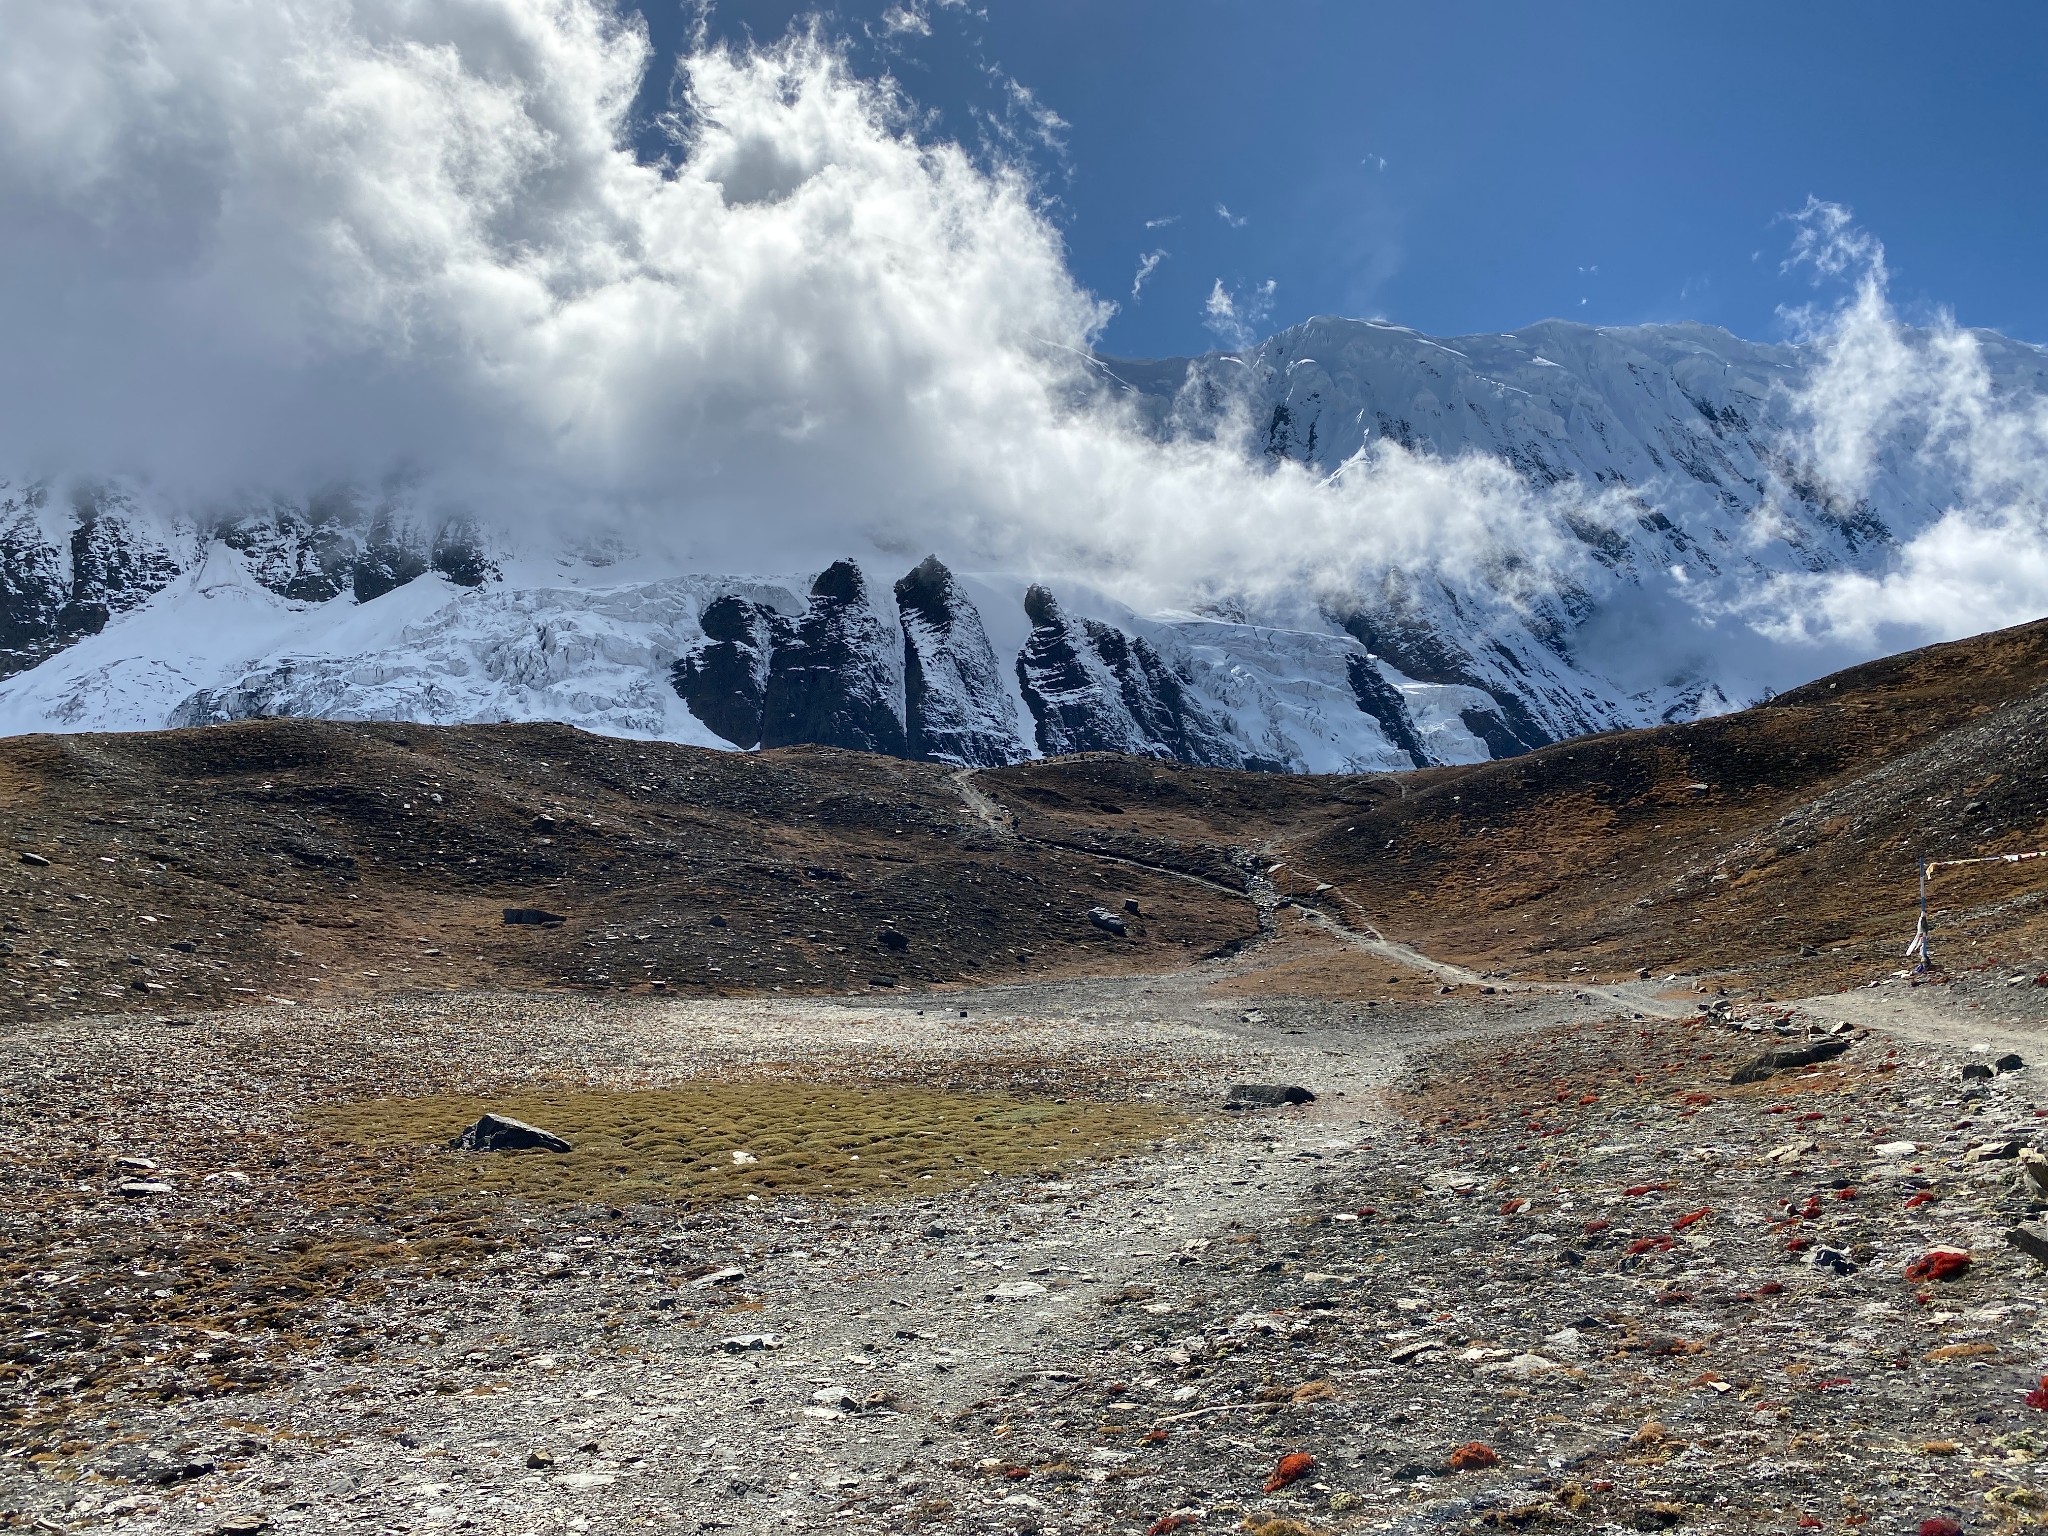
column 262, row 247
column 1920, row 402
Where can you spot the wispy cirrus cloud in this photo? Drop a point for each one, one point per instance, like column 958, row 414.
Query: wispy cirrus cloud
column 1236, row 319
column 1147, row 265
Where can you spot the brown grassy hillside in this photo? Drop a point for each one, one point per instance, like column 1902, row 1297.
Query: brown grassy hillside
column 310, row 860
column 1779, row 844
column 315, row 860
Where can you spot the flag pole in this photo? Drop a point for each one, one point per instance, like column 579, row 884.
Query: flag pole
column 1917, row 950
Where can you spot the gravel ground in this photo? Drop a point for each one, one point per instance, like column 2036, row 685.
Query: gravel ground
column 1525, row 1261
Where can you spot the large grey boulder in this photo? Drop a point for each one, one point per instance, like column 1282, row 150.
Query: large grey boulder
column 501, row 1133
column 1266, row 1096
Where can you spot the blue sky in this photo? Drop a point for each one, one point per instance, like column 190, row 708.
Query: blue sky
column 1463, row 166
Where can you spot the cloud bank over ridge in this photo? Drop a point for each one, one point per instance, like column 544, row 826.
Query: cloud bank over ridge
column 1924, row 397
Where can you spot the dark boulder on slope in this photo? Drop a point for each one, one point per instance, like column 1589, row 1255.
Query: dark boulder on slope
column 501, row 1133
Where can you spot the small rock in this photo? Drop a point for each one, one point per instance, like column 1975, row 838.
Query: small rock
column 2033, row 1174
column 1131, row 908
column 1834, row 1259
column 501, row 1133
column 1266, row 1095
column 540, row 1460
column 532, row 916
column 34, row 858
column 2010, row 1063
column 892, row 939
column 1787, row 1057
column 741, row 1343
column 836, row 1397
column 1528, row 1366
column 1015, row 1290
column 743, row 1159
column 142, row 1188
column 1975, row 1070
column 181, row 1472
column 719, row 1277
column 1107, row 921
column 2031, row 1238
column 1401, row 1353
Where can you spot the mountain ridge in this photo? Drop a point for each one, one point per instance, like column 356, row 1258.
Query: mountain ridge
column 118, row 610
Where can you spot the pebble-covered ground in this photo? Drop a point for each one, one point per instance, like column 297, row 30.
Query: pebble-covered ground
column 1524, row 1263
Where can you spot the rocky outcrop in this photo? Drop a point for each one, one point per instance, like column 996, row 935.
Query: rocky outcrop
column 829, row 677
column 1432, row 655
column 333, row 544
column 1382, row 700
column 1093, row 688
column 725, row 680
column 1077, row 708
column 59, row 584
column 305, row 553
column 67, row 570
column 956, row 708
column 836, row 681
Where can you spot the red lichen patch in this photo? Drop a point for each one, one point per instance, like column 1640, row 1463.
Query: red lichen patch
column 1473, row 1456
column 1939, row 1264
column 1294, row 1466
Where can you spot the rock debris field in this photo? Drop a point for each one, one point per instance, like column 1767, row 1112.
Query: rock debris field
column 1529, row 1260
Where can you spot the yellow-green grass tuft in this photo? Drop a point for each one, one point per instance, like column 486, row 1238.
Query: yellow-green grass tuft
column 819, row 1140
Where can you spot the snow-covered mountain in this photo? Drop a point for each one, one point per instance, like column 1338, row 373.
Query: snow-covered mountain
column 120, row 613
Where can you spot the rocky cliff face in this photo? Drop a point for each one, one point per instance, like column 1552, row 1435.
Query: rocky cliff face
column 1091, row 687
column 956, row 708
column 65, row 571
column 724, row 680
column 838, row 677
column 334, row 544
